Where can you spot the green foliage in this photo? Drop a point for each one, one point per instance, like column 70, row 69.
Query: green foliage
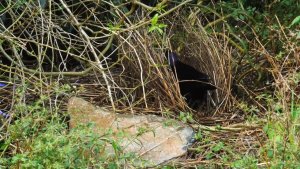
column 186, row 117
column 44, row 141
column 198, row 136
column 249, row 162
column 53, row 148
column 247, row 23
column 249, row 109
column 243, row 18
column 218, row 147
column 155, row 26
column 296, row 21
column 215, row 150
column 282, row 147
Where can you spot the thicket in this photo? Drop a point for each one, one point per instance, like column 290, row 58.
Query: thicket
column 110, row 52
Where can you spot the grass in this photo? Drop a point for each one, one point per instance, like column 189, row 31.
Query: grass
column 43, row 140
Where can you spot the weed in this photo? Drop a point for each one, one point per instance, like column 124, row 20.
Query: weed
column 43, row 141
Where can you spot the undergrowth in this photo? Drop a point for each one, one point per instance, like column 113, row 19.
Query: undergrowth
column 111, row 54
column 43, row 140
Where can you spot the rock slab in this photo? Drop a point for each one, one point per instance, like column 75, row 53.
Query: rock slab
column 153, row 139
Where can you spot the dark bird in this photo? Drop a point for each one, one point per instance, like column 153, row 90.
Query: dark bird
column 192, row 83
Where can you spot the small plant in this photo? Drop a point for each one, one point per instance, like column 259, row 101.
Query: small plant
column 186, row 117
column 215, row 149
column 43, row 140
column 198, row 136
column 282, row 147
column 245, row 162
column 155, row 26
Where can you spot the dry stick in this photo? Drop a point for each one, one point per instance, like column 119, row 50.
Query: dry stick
column 141, row 74
column 287, row 40
column 109, row 44
column 44, row 73
column 231, row 41
column 141, row 68
column 288, row 120
column 27, row 75
column 99, row 64
column 149, row 7
column 228, row 128
column 213, row 51
column 223, row 19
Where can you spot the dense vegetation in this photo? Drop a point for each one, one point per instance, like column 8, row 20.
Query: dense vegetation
column 109, row 52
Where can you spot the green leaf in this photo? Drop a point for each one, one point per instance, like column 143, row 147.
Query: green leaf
column 295, row 21
column 112, row 165
column 115, row 146
column 209, row 156
column 152, row 28
column 160, row 31
column 4, row 145
column 162, row 25
column 218, row 147
column 154, row 20
column 295, row 113
column 198, row 136
column 270, row 153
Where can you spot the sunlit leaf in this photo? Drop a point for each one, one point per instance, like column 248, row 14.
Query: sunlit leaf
column 152, row 28
column 295, row 21
column 154, row 20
